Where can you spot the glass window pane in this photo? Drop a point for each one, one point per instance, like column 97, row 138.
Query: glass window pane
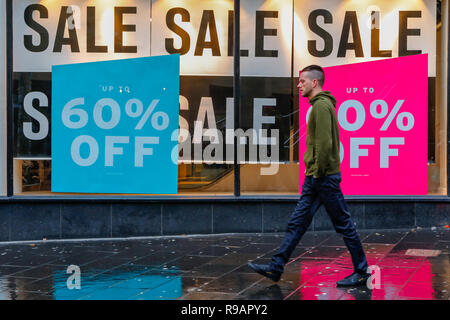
column 277, row 39
column 336, row 33
column 71, row 32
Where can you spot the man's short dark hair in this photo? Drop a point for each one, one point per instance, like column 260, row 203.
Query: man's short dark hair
column 317, row 73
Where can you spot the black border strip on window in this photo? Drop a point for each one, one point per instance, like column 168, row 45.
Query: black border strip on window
column 237, row 94
column 9, row 102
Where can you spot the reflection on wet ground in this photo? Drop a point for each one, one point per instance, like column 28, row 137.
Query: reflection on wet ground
column 413, row 264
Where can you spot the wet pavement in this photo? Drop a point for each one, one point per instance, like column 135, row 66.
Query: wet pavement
column 408, row 265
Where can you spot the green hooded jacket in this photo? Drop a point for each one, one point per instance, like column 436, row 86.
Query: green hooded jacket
column 322, row 140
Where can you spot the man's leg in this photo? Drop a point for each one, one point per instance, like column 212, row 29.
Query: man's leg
column 298, row 223
column 331, row 196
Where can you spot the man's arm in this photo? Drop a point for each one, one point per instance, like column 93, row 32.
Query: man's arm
column 323, row 138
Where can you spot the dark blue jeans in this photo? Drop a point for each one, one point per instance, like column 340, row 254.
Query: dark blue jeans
column 326, row 191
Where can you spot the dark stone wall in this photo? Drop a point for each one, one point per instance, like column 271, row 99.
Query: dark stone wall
column 27, row 218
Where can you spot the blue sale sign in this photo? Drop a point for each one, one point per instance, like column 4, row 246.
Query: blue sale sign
column 115, row 126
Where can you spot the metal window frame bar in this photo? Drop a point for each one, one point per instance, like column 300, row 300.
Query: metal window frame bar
column 9, row 102
column 237, row 94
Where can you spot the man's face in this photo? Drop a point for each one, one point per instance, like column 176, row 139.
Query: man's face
column 305, row 84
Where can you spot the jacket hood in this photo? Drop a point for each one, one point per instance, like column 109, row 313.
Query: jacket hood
column 326, row 95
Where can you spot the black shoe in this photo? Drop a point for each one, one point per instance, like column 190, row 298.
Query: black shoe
column 264, row 269
column 355, row 279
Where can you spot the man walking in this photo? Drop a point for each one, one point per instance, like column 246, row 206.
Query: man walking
column 321, row 185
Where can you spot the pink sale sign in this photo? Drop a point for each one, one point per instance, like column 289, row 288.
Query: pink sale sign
column 382, row 110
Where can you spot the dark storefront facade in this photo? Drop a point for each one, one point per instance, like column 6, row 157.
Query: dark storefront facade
column 239, row 166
